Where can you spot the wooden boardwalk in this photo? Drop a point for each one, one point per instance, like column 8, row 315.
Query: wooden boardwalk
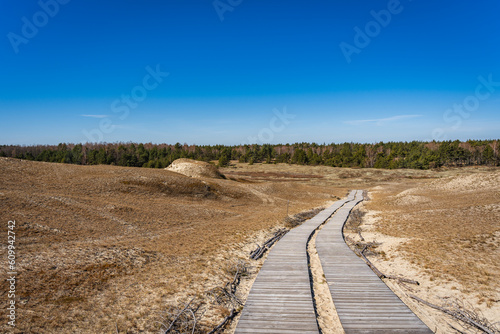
column 280, row 300
column 363, row 302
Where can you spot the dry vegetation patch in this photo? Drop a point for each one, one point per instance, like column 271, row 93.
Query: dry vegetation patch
column 445, row 233
column 102, row 248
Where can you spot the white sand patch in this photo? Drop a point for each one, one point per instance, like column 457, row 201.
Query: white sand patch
column 391, row 261
column 194, row 168
column 469, row 182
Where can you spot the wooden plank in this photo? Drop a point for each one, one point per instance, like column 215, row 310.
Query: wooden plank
column 280, row 299
column 274, row 331
column 363, row 302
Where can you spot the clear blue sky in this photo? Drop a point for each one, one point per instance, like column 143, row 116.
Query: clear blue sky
column 66, row 71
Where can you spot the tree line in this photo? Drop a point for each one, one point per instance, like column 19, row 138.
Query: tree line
column 414, row 155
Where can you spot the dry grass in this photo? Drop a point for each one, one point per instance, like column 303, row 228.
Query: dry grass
column 449, row 232
column 454, row 232
column 104, row 246
column 101, row 247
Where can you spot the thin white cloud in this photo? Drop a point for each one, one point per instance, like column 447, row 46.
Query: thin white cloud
column 95, row 116
column 380, row 121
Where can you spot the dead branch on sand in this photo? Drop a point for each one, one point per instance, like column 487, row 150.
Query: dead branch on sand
column 291, row 222
column 354, row 222
column 381, row 275
column 466, row 314
column 226, row 296
column 301, row 217
column 224, row 322
column 259, row 252
column 189, row 318
column 183, row 320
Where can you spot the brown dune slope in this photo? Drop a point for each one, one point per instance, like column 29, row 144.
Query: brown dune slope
column 103, row 246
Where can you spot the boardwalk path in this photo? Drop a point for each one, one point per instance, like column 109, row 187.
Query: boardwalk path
column 363, row 302
column 280, row 300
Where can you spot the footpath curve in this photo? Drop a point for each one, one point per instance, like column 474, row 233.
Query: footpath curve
column 280, row 300
column 364, row 303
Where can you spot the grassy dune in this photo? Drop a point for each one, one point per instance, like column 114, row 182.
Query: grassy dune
column 106, row 247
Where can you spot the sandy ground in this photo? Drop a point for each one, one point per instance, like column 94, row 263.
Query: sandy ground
column 328, row 319
column 199, row 169
column 461, row 262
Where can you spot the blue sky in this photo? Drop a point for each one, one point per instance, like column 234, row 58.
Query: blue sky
column 362, row 71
